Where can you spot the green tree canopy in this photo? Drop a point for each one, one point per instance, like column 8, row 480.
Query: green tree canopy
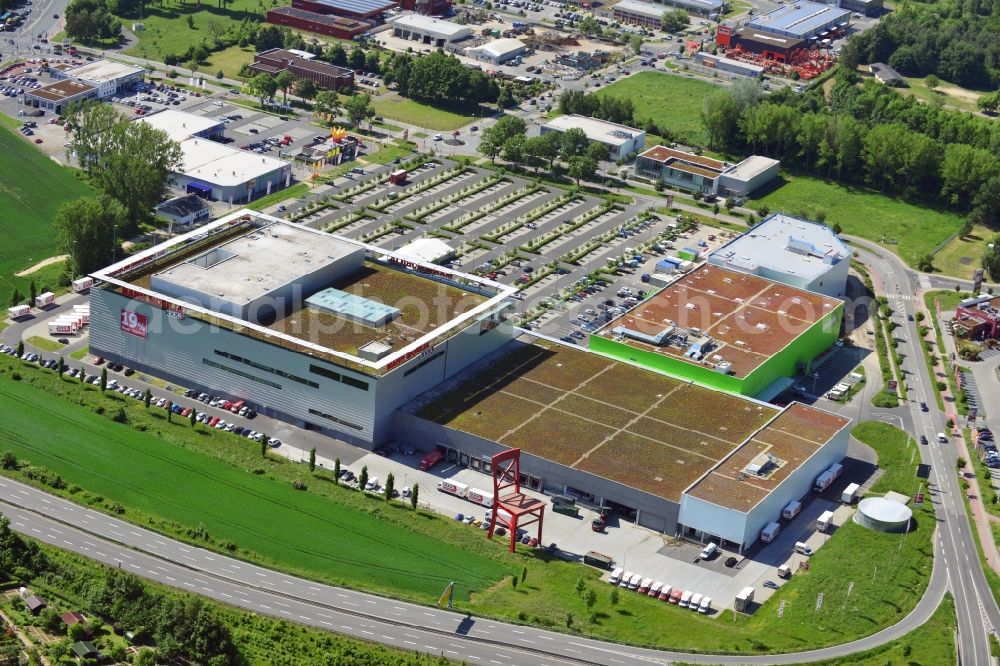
column 359, row 108
column 86, row 229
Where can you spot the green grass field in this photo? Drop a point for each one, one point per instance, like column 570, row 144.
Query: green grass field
column 961, row 256
column 947, row 93
column 31, row 190
column 187, row 485
column 229, row 60
column 167, row 31
column 408, row 111
column 294, row 192
column 672, row 102
column 917, row 230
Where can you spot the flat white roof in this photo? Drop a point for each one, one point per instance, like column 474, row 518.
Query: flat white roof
column 221, row 165
column 432, row 26
column 179, row 125
column 500, row 47
column 425, row 250
column 645, row 9
column 750, row 167
column 786, row 244
column 596, row 130
column 102, row 71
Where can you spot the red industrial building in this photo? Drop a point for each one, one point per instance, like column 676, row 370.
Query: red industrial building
column 978, row 318
column 766, row 44
column 323, row 24
column 321, row 73
column 359, row 10
column 428, row 7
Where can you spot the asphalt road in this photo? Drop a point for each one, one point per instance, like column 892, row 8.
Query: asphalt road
column 978, row 614
column 368, row 617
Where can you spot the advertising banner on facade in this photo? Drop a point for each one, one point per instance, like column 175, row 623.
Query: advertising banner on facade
column 134, row 323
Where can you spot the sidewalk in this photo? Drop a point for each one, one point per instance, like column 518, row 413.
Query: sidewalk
column 980, row 516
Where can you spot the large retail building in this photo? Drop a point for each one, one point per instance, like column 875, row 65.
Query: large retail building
column 731, row 331
column 323, row 331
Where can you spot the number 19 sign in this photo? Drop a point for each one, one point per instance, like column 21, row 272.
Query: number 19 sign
column 134, row 323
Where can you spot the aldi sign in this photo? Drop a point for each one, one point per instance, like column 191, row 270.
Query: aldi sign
column 134, row 323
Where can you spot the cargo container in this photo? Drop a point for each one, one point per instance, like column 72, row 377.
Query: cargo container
column 398, row 177
column 62, row 327
column 743, row 600
column 667, row 266
column 769, row 532
column 18, row 311
column 82, row 284
column 453, row 488
column 686, row 267
column 660, row 279
column 791, row 510
column 479, row 497
column 599, row 560
column 824, row 521
column 850, row 493
column 428, row 460
column 44, row 299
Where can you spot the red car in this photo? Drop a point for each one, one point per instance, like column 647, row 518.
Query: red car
column 98, row 360
column 186, row 412
column 215, row 419
column 38, row 140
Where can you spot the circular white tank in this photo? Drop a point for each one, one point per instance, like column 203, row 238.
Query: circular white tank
column 882, row 515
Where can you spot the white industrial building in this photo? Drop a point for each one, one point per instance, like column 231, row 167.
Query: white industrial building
column 426, row 250
column 214, row 170
column 621, row 141
column 106, row 76
column 688, row 171
column 497, row 51
column 180, row 125
column 428, row 30
column 218, row 172
column 298, row 322
column 790, row 250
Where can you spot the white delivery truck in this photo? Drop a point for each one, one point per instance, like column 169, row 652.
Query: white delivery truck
column 791, row 510
column 82, row 284
column 743, row 600
column 769, row 532
column 850, row 493
column 824, row 521
column 801, row 547
column 480, row 497
column 18, row 311
column 453, row 488
column 823, row 481
column 62, row 327
column 44, row 299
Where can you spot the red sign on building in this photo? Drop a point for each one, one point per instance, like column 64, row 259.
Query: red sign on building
column 134, row 323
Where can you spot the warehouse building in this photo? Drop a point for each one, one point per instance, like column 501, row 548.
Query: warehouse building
column 621, row 141
column 316, row 329
column 726, row 330
column 653, row 450
column 323, row 74
column 498, row 51
column 711, row 8
column 866, row 7
column 180, row 125
column 635, row 12
column 761, row 42
column 427, row 30
column 427, row 7
column 219, row 172
column 331, row 25
column 723, row 64
column 802, row 254
column 56, row 96
column 802, row 20
column 106, row 76
column 698, row 173
column 886, row 75
column 358, row 10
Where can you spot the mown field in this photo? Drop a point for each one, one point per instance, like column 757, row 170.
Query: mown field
column 409, row 111
column 296, row 530
column 672, row 101
column 32, row 187
column 916, row 230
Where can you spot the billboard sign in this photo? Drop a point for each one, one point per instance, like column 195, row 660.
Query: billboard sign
column 977, row 280
column 134, row 323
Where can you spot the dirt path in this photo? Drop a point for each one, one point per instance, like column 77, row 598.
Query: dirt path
column 42, row 264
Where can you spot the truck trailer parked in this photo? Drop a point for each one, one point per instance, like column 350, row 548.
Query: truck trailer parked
column 42, row 300
column 599, row 560
column 850, row 493
column 453, row 488
column 743, row 600
column 428, row 460
column 18, row 311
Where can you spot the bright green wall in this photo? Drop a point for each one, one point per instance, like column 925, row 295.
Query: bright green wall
column 803, row 349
